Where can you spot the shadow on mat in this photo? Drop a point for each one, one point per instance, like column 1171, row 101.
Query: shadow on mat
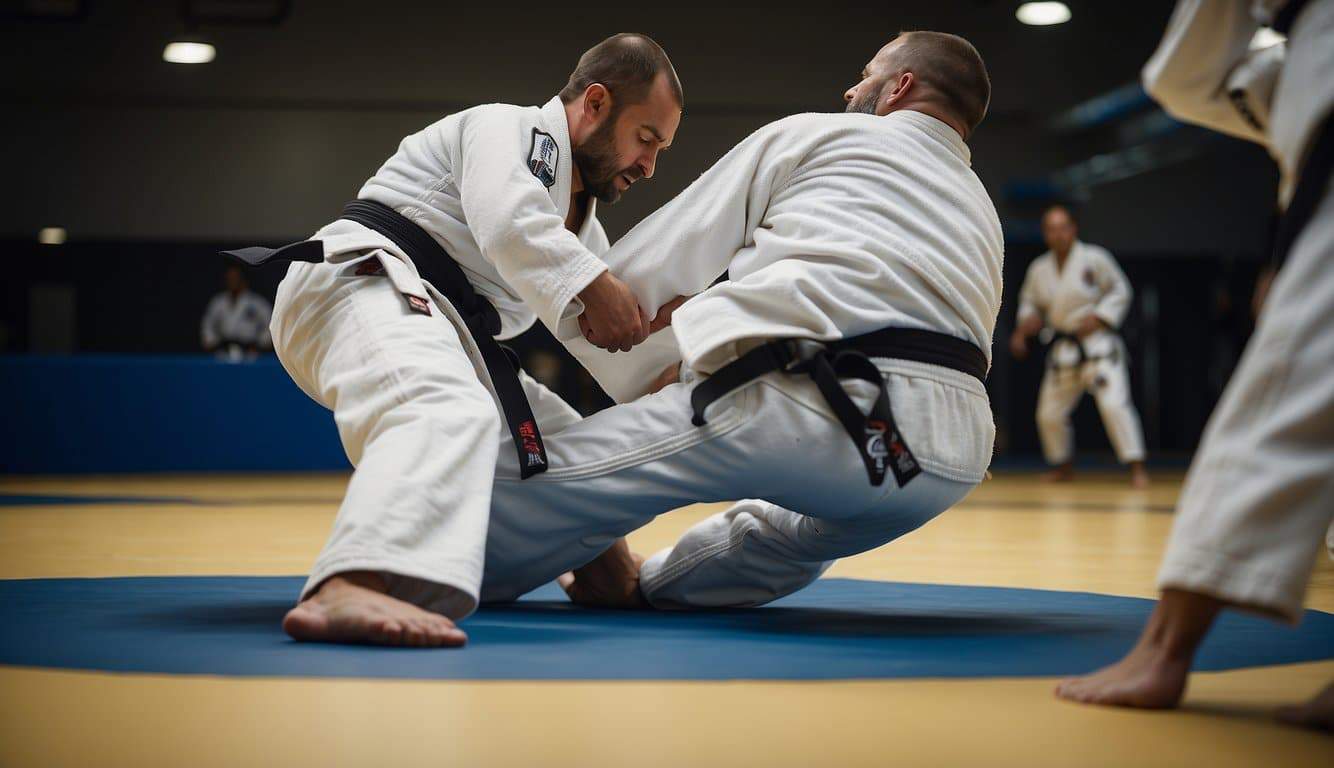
column 210, row 617
column 537, row 621
column 807, row 622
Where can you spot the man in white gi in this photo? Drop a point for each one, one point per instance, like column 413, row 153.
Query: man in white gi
column 1082, row 295
column 236, row 322
column 1260, row 493
column 838, row 372
column 479, row 224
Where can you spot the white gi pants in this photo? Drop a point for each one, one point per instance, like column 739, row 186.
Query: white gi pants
column 618, row 469
column 1109, row 381
column 417, row 422
column 1260, row 492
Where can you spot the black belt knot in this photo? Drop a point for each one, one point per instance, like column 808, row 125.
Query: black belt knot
column 879, row 443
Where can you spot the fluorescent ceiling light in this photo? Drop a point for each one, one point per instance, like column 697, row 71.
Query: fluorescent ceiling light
column 182, row 52
column 1043, row 14
column 51, row 235
column 1265, row 37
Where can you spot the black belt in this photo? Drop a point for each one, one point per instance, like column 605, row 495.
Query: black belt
column 877, row 438
column 1084, row 356
column 437, row 267
column 1287, row 16
column 1311, row 187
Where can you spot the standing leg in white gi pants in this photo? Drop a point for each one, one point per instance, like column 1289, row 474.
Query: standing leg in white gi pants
column 418, row 425
column 1260, row 493
column 616, row 470
column 1108, row 380
column 1058, row 395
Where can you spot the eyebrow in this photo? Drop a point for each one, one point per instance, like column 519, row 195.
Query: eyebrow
column 656, row 134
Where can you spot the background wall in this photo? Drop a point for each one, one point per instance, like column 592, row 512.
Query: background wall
column 152, row 167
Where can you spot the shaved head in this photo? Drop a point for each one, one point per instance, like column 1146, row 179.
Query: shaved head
column 947, row 70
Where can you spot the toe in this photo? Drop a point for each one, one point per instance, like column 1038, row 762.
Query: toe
column 305, row 623
column 388, row 632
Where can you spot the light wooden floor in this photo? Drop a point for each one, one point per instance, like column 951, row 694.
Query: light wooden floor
column 1092, row 536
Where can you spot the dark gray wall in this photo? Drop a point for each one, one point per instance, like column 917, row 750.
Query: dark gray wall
column 104, row 138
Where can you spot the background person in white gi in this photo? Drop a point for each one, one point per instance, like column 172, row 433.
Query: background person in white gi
column 1260, row 493
column 828, row 231
column 1083, row 296
column 509, row 192
column 236, row 322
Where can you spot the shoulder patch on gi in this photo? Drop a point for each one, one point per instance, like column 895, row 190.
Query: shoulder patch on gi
column 543, row 157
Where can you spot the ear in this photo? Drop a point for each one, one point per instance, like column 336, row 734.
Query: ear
column 902, row 87
column 597, row 102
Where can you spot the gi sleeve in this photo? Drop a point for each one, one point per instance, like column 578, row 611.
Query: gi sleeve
column 1204, row 73
column 210, row 331
column 514, row 221
column 1115, row 302
column 684, row 247
column 1029, row 298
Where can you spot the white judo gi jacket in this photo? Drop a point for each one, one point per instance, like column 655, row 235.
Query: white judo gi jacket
column 240, row 320
column 829, row 226
column 363, row 335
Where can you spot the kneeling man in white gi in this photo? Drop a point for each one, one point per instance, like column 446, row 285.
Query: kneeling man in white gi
column 838, row 372
column 478, row 225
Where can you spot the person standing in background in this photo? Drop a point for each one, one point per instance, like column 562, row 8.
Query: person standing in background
column 1078, row 290
column 236, row 323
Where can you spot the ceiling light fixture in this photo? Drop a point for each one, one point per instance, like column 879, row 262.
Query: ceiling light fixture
column 1043, row 14
column 189, row 52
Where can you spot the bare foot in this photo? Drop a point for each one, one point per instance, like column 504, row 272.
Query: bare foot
column 1139, row 476
column 1062, row 473
column 1317, row 713
column 1145, row 678
column 610, row 581
column 353, row 608
column 1153, row 675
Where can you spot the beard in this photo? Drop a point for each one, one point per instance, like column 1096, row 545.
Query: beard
column 599, row 165
column 864, row 103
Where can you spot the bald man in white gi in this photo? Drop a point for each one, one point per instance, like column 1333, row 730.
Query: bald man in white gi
column 1080, row 294
column 1260, row 494
column 837, row 374
column 479, row 225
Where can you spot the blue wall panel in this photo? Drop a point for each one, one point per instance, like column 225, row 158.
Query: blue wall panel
column 97, row 413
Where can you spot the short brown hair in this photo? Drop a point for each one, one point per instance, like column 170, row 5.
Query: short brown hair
column 626, row 64
column 953, row 68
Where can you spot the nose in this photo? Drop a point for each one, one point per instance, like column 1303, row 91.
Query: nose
column 648, row 162
column 849, row 94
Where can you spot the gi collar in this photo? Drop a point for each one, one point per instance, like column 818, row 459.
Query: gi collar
column 939, row 129
column 557, row 124
column 554, row 122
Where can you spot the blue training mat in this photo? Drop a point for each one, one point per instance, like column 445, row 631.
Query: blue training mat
column 835, row 629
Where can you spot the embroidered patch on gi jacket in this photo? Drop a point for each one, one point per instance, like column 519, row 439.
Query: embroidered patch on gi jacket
column 543, row 157
column 1089, row 278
